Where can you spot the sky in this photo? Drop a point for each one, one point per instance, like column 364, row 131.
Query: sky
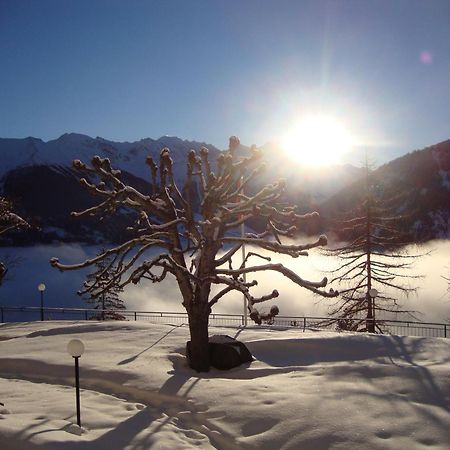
column 206, row 70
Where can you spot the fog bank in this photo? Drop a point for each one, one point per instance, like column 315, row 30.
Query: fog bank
column 432, row 299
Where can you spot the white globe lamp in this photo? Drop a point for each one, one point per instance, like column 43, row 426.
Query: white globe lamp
column 75, row 348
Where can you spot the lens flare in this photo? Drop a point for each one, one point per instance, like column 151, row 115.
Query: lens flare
column 426, row 57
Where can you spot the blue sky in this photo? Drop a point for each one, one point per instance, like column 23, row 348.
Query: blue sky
column 204, row 70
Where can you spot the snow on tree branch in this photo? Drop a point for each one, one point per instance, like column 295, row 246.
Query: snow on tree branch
column 8, row 221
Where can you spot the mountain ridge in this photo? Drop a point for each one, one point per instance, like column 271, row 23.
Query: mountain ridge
column 420, row 180
column 422, row 176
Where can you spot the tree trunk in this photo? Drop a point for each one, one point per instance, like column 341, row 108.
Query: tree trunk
column 370, row 322
column 199, row 346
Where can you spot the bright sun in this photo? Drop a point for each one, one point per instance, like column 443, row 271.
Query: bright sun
column 317, row 141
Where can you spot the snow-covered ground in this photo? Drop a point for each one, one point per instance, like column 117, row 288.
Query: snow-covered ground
column 303, row 390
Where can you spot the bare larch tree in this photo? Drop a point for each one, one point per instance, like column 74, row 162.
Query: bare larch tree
column 8, row 221
column 447, row 279
column 197, row 247
column 373, row 256
column 107, row 301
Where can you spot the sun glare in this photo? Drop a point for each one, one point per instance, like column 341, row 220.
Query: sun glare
column 317, row 141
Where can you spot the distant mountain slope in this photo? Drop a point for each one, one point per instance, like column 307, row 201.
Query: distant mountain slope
column 420, row 181
column 38, row 177
column 308, row 186
column 47, row 195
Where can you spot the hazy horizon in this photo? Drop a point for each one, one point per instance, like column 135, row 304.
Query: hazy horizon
column 432, row 299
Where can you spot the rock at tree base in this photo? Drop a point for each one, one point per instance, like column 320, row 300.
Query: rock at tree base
column 225, row 352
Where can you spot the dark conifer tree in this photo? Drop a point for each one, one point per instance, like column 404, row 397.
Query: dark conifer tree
column 104, row 296
column 448, row 293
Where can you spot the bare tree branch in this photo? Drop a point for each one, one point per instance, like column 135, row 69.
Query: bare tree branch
column 185, row 242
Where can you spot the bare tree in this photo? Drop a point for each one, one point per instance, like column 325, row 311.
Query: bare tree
column 373, row 263
column 8, row 221
column 197, row 247
column 447, row 279
column 107, row 301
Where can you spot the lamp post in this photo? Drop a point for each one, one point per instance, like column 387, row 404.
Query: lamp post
column 373, row 294
column 75, row 348
column 41, row 289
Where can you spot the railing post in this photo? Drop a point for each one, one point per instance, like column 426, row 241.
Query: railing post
column 445, row 329
column 85, row 314
column 1, row 309
column 135, row 316
column 304, row 324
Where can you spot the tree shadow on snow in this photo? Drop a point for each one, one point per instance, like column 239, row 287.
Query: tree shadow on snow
column 305, row 352
column 134, row 357
column 82, row 328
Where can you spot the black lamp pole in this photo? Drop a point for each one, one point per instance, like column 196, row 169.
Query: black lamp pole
column 77, row 387
column 41, row 289
column 42, row 306
column 75, row 348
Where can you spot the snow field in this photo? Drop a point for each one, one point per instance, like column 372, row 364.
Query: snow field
column 303, row 391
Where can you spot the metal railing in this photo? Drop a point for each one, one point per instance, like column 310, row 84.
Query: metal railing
column 303, row 323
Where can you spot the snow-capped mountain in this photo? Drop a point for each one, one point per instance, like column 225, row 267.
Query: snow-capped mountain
column 37, row 176
column 128, row 156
